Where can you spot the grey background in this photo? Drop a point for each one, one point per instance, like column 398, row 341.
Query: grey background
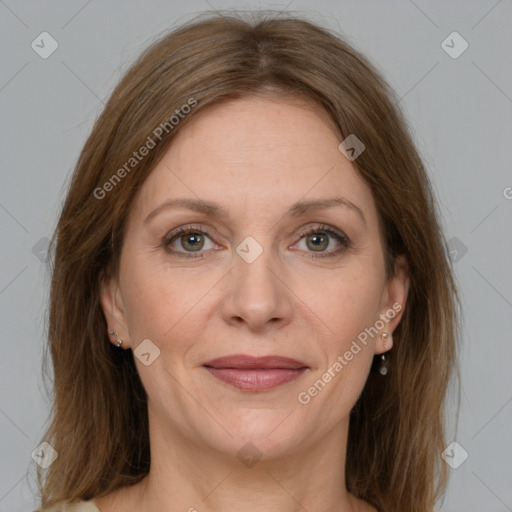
column 460, row 110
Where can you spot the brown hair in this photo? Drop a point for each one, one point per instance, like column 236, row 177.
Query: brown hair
column 99, row 417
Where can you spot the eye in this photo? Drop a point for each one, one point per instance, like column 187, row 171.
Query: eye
column 317, row 240
column 187, row 240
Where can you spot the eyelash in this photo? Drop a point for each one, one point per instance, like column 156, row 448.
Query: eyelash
column 313, row 230
column 326, row 230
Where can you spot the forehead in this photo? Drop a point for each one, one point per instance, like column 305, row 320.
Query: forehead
column 256, row 153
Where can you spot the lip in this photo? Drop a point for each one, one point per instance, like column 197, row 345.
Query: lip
column 251, row 373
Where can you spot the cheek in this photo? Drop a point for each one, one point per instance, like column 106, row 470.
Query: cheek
column 159, row 303
column 348, row 304
column 161, row 307
column 350, row 308
column 147, row 297
column 334, row 388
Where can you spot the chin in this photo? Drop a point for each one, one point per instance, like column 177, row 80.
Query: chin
column 266, row 434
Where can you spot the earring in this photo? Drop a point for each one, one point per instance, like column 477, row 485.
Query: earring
column 118, row 341
column 383, row 370
column 387, row 338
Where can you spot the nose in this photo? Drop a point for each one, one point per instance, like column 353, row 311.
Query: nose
column 258, row 295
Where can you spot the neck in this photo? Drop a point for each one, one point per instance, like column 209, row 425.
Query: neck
column 186, row 476
column 189, row 477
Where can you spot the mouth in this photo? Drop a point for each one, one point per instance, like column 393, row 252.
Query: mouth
column 250, row 373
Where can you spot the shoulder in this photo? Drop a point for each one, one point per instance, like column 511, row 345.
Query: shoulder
column 79, row 506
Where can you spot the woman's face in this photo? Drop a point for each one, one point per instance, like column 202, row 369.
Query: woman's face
column 254, row 236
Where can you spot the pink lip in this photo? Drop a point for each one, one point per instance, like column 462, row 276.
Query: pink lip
column 255, row 373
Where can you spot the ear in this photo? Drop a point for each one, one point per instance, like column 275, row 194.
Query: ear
column 394, row 298
column 113, row 309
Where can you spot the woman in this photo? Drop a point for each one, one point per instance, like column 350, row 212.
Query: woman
column 251, row 306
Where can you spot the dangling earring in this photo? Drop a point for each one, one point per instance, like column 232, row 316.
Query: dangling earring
column 118, row 341
column 383, row 370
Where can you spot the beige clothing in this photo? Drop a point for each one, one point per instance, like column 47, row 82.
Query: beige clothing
column 80, row 506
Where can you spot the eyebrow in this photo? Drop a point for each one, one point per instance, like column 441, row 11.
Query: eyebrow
column 302, row 207
column 216, row 210
column 197, row 205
